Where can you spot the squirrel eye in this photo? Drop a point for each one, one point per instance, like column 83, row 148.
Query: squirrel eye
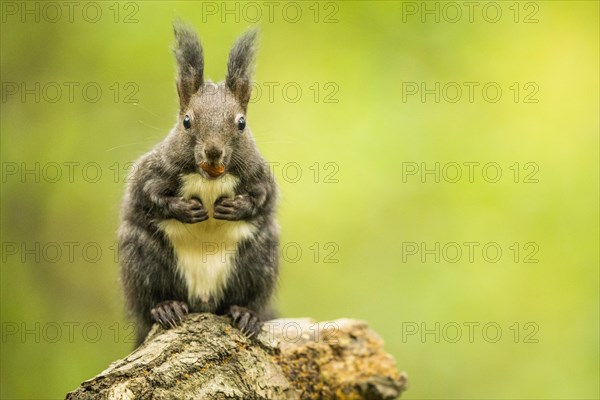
column 187, row 123
column 241, row 123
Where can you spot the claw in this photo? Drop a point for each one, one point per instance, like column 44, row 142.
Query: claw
column 169, row 314
column 245, row 320
column 178, row 312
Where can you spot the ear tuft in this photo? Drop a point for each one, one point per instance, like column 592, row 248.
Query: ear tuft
column 240, row 66
column 190, row 62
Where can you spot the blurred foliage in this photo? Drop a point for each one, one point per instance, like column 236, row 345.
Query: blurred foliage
column 365, row 58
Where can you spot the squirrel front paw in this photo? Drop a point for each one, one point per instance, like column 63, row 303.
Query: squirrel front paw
column 233, row 209
column 245, row 320
column 188, row 211
column 169, row 313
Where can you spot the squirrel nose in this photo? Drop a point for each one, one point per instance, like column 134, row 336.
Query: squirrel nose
column 213, row 153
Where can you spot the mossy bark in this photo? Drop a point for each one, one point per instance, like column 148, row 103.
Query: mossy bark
column 206, row 358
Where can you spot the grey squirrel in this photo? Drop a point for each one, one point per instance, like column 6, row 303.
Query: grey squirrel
column 198, row 231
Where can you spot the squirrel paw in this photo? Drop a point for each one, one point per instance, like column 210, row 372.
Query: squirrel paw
column 169, row 313
column 245, row 320
column 233, row 209
column 188, row 211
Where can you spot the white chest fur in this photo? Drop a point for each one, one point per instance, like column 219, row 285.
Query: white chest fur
column 206, row 250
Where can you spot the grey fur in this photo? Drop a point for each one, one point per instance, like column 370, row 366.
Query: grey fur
column 190, row 61
column 240, row 66
column 149, row 272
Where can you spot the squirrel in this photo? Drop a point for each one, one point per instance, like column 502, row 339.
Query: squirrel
column 197, row 228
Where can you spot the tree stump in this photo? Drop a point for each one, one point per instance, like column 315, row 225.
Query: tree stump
column 206, row 358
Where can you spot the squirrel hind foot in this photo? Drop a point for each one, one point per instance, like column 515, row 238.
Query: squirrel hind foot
column 245, row 320
column 169, row 314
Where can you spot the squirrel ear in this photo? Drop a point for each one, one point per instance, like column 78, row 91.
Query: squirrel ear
column 240, row 67
column 190, row 62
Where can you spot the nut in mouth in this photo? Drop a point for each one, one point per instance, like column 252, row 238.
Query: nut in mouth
column 214, row 171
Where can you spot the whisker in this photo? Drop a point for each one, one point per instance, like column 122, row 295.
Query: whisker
column 151, row 126
column 130, row 144
column 146, row 109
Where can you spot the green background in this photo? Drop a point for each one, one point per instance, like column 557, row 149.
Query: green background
column 62, row 314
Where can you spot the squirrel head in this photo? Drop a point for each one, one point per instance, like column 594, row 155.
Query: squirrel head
column 211, row 126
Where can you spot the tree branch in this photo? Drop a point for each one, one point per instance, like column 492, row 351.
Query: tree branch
column 206, row 358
